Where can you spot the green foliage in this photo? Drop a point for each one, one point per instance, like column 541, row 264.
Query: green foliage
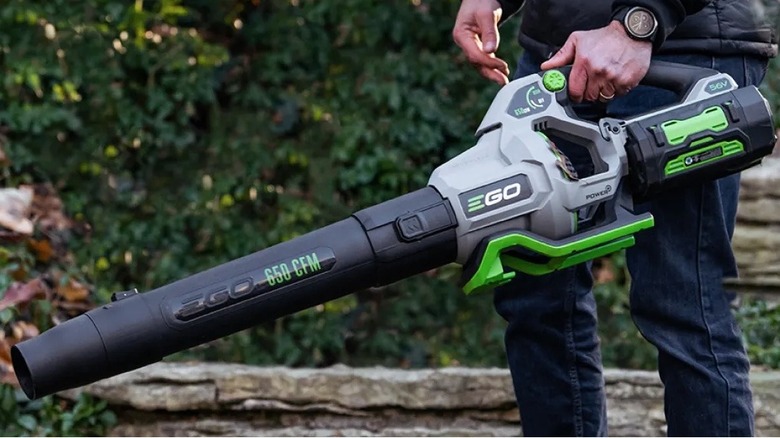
column 52, row 417
column 759, row 321
column 771, row 85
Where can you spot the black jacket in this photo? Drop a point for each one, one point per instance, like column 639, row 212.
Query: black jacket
column 724, row 27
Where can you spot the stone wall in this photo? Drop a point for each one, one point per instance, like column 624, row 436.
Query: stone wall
column 757, row 235
column 168, row 399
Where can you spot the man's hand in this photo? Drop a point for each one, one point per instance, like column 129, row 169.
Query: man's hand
column 476, row 32
column 606, row 62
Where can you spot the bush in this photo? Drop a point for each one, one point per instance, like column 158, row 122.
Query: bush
column 49, row 417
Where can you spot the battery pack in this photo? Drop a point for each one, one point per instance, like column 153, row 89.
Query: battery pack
column 704, row 140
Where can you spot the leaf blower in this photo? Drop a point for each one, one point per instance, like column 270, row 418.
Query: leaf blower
column 510, row 203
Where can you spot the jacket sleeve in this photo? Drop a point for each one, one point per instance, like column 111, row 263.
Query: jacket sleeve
column 509, row 8
column 668, row 13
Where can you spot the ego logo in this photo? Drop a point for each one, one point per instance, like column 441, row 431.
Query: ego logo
column 494, row 197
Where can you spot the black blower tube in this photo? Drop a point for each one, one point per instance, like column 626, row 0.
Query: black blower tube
column 376, row 246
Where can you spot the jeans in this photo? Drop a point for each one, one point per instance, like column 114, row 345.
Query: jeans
column 677, row 300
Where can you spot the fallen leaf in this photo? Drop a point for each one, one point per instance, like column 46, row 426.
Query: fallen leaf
column 73, row 291
column 42, row 249
column 15, row 209
column 70, row 309
column 19, row 274
column 48, row 210
column 22, row 293
column 5, row 349
column 3, row 157
column 23, row 331
column 7, row 375
column 10, row 237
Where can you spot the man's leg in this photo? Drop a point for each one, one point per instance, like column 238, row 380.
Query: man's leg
column 551, row 341
column 677, row 299
column 553, row 353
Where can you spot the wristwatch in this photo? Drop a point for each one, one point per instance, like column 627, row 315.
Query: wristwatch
column 639, row 22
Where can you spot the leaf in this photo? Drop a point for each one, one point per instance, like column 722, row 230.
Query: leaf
column 22, row 293
column 22, row 331
column 48, row 210
column 42, row 249
column 67, row 422
column 4, row 161
column 108, row 418
column 15, row 209
column 28, row 422
column 5, row 350
column 6, row 315
column 73, row 291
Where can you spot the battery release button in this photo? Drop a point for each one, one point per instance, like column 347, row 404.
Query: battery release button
column 554, row 81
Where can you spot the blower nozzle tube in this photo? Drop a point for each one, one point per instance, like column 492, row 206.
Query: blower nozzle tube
column 376, row 246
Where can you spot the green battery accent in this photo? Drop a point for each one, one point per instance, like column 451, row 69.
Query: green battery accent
column 704, row 155
column 712, row 119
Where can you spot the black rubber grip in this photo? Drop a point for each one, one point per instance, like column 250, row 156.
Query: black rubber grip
column 678, row 78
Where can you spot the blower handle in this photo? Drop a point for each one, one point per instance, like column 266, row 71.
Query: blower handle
column 672, row 76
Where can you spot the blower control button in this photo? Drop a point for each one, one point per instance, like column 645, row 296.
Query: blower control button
column 412, row 226
column 554, row 81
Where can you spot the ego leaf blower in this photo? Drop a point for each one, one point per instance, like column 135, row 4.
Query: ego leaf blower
column 510, row 203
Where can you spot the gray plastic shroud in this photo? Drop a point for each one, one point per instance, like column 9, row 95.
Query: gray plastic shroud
column 509, row 145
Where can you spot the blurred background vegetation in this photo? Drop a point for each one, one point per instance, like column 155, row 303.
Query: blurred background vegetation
column 159, row 138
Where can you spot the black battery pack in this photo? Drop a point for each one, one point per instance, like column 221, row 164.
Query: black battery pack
column 705, row 140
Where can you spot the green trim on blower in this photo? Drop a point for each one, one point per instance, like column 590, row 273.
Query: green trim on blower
column 712, row 119
column 491, row 272
column 703, row 156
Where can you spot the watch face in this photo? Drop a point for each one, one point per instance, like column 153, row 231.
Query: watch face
column 641, row 22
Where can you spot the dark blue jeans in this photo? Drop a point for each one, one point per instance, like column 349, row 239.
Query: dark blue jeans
column 677, row 301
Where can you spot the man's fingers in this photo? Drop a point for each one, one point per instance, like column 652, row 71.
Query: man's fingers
column 488, row 29
column 494, row 75
column 593, row 89
column 578, row 80
column 472, row 47
column 476, row 33
column 500, row 65
column 565, row 56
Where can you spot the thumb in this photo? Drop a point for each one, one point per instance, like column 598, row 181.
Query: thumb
column 565, row 56
column 487, row 23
